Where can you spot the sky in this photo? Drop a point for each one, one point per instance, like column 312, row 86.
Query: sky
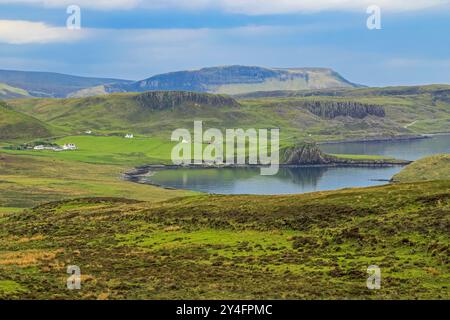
column 135, row 39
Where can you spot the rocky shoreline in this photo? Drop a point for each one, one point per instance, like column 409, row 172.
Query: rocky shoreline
column 139, row 174
column 298, row 156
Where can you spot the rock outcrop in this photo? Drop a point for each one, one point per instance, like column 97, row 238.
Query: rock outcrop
column 304, row 154
column 161, row 100
column 333, row 109
column 310, row 154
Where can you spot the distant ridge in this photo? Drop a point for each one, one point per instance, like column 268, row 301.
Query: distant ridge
column 49, row 84
column 231, row 80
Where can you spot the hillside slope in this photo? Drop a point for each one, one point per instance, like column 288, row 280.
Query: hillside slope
column 153, row 112
column 15, row 125
column 435, row 167
column 312, row 246
column 318, row 118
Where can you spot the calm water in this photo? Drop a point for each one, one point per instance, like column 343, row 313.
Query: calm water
column 301, row 180
column 406, row 150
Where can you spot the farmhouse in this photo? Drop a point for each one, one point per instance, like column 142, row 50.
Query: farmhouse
column 129, row 136
column 69, row 146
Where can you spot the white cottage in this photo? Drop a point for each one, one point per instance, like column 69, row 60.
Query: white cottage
column 69, row 146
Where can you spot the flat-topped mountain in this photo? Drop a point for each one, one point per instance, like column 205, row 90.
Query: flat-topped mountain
column 228, row 80
column 238, row 80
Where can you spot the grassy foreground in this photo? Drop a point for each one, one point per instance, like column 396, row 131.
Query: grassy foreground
column 27, row 181
column 207, row 247
column 435, row 167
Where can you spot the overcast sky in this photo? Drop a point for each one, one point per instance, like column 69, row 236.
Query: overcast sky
column 135, row 39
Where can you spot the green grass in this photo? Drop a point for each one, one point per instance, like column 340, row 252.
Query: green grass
column 312, row 246
column 435, row 167
column 8, row 287
column 9, row 210
column 108, row 150
column 26, row 181
column 427, row 108
column 16, row 126
column 143, row 242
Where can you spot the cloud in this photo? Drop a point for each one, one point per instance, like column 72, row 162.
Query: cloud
column 26, row 32
column 91, row 4
column 266, row 7
column 261, row 7
column 249, row 7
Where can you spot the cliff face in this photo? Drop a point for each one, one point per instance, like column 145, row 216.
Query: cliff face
column 161, row 100
column 333, row 109
column 304, row 154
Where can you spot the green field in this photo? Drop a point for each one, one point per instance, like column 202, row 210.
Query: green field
column 314, row 246
column 109, row 150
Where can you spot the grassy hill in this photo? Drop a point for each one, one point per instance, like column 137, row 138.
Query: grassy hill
column 146, row 113
column 18, row 126
column 436, row 167
column 313, row 246
column 439, row 90
column 355, row 115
